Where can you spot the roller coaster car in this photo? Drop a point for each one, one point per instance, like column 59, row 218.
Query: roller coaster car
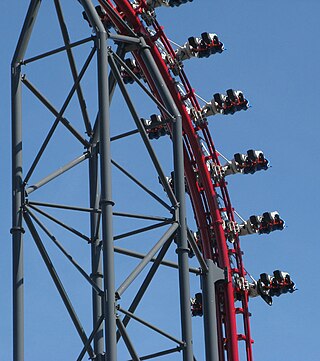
column 252, row 162
column 208, row 44
column 155, row 126
column 283, row 278
column 237, row 99
column 242, row 102
column 196, row 305
column 205, row 46
column 233, row 102
column 268, row 222
column 211, row 42
column 281, row 284
column 257, row 156
column 271, row 221
column 131, row 64
column 248, row 163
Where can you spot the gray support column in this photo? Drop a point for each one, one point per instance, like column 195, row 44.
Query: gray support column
column 209, row 310
column 96, row 254
column 17, row 184
column 106, row 202
column 17, row 230
column 181, row 240
column 106, row 193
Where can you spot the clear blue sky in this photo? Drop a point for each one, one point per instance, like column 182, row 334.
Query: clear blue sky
column 273, row 55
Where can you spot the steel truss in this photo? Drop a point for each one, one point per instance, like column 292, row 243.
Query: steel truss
column 210, row 200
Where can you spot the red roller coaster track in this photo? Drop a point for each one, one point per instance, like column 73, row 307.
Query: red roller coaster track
column 205, row 193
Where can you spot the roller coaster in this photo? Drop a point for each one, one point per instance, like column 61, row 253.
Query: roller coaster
column 133, row 54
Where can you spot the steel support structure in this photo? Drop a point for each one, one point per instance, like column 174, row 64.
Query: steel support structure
column 100, row 195
column 17, row 183
column 122, row 29
column 106, row 202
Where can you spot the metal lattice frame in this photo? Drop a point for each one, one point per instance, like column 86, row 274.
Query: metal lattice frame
column 189, row 162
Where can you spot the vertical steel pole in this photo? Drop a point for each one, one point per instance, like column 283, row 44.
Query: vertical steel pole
column 181, row 240
column 106, row 203
column 96, row 253
column 17, row 230
column 182, row 237
column 210, row 311
column 96, row 246
column 17, row 184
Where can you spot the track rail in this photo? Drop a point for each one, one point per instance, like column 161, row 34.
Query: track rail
column 210, row 199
